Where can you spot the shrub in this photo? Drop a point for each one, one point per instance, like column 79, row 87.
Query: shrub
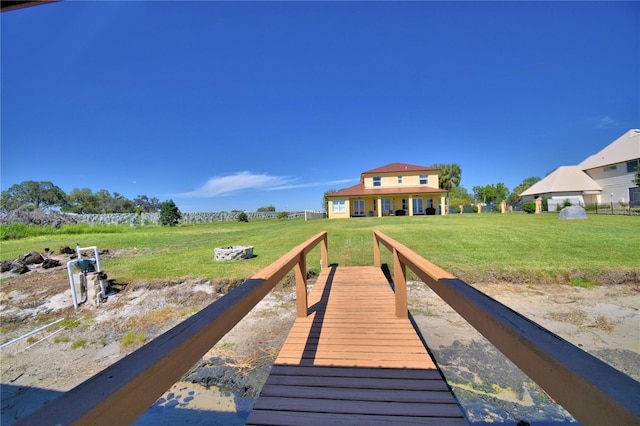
column 283, row 215
column 242, row 217
column 566, row 202
column 529, row 207
column 545, row 205
column 169, row 213
column 132, row 338
column 474, row 208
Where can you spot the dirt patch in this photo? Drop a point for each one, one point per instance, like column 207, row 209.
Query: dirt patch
column 604, row 321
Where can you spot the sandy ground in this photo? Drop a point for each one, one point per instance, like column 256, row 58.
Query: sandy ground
column 604, row 321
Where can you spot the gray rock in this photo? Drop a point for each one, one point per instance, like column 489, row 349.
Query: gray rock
column 573, row 212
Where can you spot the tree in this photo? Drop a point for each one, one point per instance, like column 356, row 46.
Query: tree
column 526, row 184
column 146, row 204
column 325, row 200
column 459, row 196
column 32, row 195
column 242, row 217
column 82, row 201
column 450, row 175
column 491, row 193
column 637, row 178
column 169, row 213
column 267, row 209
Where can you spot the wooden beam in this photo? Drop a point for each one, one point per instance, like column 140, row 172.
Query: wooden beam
column 591, row 390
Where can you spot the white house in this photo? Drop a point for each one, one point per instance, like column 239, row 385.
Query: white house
column 605, row 177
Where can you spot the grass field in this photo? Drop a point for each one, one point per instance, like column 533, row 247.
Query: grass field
column 475, row 246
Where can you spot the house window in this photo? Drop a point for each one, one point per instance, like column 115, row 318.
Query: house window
column 632, row 166
column 358, row 207
column 610, row 168
column 399, row 179
column 339, row 206
column 424, row 179
column 405, row 204
column 386, row 204
column 377, row 181
column 429, row 202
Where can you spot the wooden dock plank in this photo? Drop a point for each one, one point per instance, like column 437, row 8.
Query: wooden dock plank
column 353, row 361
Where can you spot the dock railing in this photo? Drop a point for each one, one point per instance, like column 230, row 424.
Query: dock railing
column 592, row 391
column 122, row 392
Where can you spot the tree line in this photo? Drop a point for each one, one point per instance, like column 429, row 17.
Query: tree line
column 32, row 195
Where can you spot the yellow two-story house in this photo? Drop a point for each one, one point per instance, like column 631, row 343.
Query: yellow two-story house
column 392, row 190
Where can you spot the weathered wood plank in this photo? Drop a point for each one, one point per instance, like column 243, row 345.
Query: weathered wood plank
column 359, row 383
column 379, row 395
column 423, row 409
column 274, row 417
column 380, row 373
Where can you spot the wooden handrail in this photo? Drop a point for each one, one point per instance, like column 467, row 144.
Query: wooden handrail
column 124, row 391
column 592, row 391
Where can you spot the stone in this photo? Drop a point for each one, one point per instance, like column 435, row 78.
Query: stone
column 67, row 250
column 233, row 252
column 31, row 258
column 50, row 263
column 7, row 265
column 573, row 212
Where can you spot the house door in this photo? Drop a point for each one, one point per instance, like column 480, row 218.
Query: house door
column 358, row 207
column 418, row 206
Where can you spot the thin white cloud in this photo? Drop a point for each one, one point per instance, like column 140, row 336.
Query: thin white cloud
column 606, row 122
column 313, row 184
column 220, row 186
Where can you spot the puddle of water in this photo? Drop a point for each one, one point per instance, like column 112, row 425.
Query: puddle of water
column 194, row 404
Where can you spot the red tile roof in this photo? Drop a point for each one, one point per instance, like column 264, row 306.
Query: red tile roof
column 400, row 167
column 360, row 190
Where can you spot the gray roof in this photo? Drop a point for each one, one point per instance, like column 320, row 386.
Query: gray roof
column 623, row 149
column 574, row 178
column 563, row 179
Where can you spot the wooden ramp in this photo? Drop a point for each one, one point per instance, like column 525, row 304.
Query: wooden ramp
column 352, row 361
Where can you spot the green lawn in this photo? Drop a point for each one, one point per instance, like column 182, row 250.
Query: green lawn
column 476, row 246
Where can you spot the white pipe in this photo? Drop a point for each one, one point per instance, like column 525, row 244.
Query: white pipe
column 95, row 251
column 73, row 289
column 45, row 337
column 29, row 333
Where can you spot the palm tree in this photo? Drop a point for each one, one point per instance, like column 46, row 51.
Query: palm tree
column 449, row 177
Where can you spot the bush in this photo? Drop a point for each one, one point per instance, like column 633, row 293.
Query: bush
column 474, row 208
column 242, row 217
column 529, row 207
column 169, row 213
column 283, row 215
column 566, row 202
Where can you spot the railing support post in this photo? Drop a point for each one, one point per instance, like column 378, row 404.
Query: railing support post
column 376, row 251
column 324, row 253
column 302, row 304
column 400, row 285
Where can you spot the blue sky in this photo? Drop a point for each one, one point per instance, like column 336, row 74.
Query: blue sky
column 237, row 105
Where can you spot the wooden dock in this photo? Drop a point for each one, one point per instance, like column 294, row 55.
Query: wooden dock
column 353, row 361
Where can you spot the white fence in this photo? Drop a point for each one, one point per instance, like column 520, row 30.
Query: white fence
column 190, row 218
